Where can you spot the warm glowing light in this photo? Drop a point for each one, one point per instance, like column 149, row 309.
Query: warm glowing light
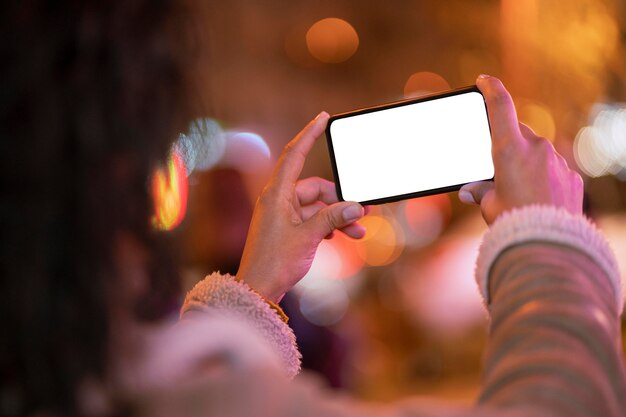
column 326, row 304
column 351, row 262
column 588, row 154
column 324, row 298
column 326, row 265
column 425, row 82
column 600, row 149
column 538, row 117
column 384, row 241
column 336, row 258
column 332, row 40
column 169, row 191
column 425, row 218
column 442, row 294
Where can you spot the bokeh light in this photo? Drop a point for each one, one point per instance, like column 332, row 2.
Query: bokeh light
column 169, row 191
column 425, row 82
column 322, row 293
column 202, row 146
column 246, row 151
column 600, row 149
column 326, row 265
column 442, row 294
column 538, row 117
column 383, row 242
column 425, row 218
column 336, row 258
column 207, row 145
column 589, row 155
column 332, row 40
column 351, row 262
column 324, row 305
column 556, row 59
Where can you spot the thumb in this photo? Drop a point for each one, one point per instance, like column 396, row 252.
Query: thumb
column 335, row 216
column 474, row 192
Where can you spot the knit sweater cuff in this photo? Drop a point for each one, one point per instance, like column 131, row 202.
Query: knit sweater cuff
column 546, row 224
column 236, row 298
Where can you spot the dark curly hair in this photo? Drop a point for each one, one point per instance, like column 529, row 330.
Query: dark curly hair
column 93, row 93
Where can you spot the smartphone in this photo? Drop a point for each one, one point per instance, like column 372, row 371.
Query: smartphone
column 412, row 148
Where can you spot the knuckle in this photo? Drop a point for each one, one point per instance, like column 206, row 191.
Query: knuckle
column 543, row 149
column 330, row 220
column 289, row 148
column 543, row 145
column 500, row 98
column 505, row 149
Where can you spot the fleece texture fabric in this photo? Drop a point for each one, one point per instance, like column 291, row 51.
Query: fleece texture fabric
column 225, row 293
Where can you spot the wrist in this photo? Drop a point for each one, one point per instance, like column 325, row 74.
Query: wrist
column 258, row 283
column 267, row 296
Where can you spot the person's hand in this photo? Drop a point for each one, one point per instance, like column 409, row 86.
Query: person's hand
column 291, row 218
column 528, row 170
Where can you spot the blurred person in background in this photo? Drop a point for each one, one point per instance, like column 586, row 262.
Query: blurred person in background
column 93, row 95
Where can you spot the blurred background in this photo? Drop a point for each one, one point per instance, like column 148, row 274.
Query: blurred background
column 397, row 313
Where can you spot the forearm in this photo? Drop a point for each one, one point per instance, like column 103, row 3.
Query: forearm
column 554, row 298
column 554, row 347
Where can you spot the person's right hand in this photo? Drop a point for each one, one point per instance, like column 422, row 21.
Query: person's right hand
column 528, row 170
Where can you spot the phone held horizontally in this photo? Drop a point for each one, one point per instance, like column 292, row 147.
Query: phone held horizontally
column 411, row 148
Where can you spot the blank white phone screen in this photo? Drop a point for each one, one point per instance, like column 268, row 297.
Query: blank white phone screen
column 412, row 148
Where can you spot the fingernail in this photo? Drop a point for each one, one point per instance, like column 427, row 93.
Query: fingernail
column 322, row 114
column 466, row 197
column 352, row 213
column 483, row 76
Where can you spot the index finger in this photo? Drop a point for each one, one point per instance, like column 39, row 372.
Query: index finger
column 291, row 161
column 310, row 190
column 500, row 109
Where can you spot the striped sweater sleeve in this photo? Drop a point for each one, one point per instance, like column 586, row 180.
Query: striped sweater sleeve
column 554, row 294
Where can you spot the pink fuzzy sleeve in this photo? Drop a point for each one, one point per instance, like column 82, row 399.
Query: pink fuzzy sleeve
column 224, row 293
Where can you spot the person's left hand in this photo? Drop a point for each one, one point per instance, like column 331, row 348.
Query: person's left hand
column 291, row 218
